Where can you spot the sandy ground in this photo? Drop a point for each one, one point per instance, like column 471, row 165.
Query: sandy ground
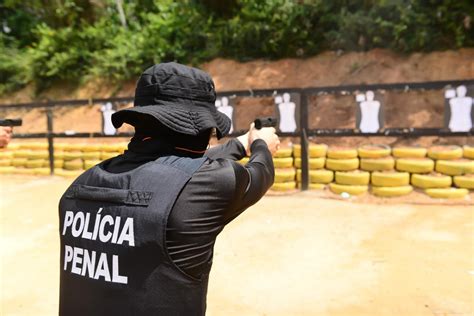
column 288, row 255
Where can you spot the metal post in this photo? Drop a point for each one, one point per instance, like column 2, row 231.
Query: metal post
column 49, row 115
column 304, row 141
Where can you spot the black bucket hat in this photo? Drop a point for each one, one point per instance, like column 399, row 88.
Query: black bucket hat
column 181, row 98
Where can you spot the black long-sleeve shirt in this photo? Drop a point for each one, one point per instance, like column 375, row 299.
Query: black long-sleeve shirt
column 216, row 194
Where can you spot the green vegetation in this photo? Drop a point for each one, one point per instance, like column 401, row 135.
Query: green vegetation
column 43, row 41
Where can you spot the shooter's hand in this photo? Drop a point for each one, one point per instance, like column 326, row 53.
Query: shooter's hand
column 267, row 134
column 5, row 135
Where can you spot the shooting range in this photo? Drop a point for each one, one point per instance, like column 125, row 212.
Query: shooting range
column 372, row 207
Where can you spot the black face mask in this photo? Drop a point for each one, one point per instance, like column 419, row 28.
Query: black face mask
column 198, row 143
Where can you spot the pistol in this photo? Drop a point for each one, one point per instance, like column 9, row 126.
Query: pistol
column 265, row 122
column 10, row 122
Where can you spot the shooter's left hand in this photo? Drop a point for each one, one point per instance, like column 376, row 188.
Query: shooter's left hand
column 5, row 135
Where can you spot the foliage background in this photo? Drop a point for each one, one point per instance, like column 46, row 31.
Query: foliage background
column 45, row 41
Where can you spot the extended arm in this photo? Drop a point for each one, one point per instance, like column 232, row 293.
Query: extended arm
column 216, row 194
column 253, row 180
column 233, row 149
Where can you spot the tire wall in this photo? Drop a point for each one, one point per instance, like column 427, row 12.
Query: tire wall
column 438, row 171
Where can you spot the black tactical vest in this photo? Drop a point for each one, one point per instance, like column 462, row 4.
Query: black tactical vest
column 113, row 255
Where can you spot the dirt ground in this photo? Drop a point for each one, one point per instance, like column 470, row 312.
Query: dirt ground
column 301, row 254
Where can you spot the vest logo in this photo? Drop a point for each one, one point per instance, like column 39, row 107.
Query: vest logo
column 106, row 229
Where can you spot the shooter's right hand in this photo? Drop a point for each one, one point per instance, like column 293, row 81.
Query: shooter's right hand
column 267, row 134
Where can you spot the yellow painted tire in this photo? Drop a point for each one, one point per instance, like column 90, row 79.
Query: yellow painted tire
column 41, row 171
column 73, row 147
column 465, row 182
column 342, row 153
column 60, row 146
column 67, row 173
column 314, row 163
column 72, row 155
column 283, row 153
column 6, row 154
column 468, row 152
column 7, row 169
column 283, row 162
column 392, row 191
column 38, row 154
column 34, row 146
column 76, row 164
column 321, row 176
column 19, row 162
column 409, row 152
column 448, row 193
column 297, row 150
column 415, row 165
column 59, row 155
column 91, row 163
column 22, row 153
column 445, row 152
column 36, row 163
column 377, row 164
column 108, row 155
column 111, row 148
column 317, row 176
column 13, row 146
column 374, row 151
column 342, row 164
column 351, row 189
column 316, row 186
column 353, row 177
column 58, row 163
column 285, row 175
column 390, row 179
column 5, row 162
column 314, row 150
column 285, row 186
column 91, row 148
column 91, row 155
column 317, row 150
column 426, row 181
column 455, row 167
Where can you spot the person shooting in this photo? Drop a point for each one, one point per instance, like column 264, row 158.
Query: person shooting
column 6, row 130
column 137, row 231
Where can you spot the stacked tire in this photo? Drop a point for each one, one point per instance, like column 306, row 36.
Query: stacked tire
column 390, row 183
column 344, row 162
column 285, row 174
column 70, row 160
column 452, row 165
column 31, row 159
column 319, row 176
column 466, row 180
column 386, row 182
column 439, row 171
column 92, row 155
column 6, row 158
